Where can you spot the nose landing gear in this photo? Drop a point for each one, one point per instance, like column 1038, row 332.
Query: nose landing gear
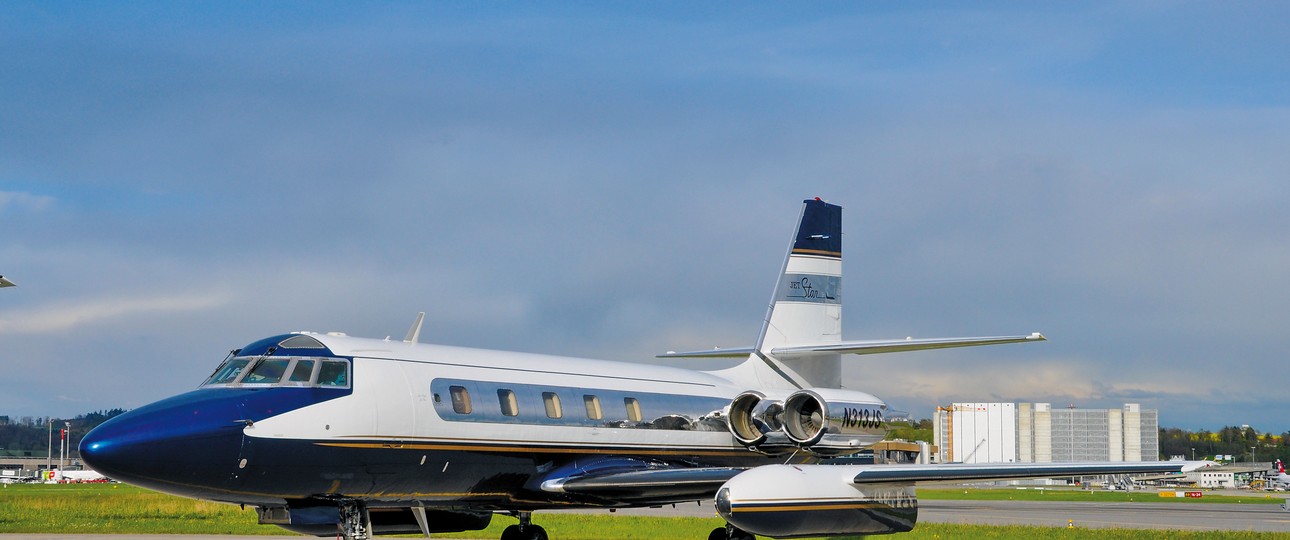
column 730, row 532
column 525, row 530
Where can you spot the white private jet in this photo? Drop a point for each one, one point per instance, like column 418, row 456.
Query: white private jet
column 87, row 475
column 328, row 434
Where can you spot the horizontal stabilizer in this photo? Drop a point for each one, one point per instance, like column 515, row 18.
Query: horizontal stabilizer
column 741, row 352
column 860, row 347
column 899, row 345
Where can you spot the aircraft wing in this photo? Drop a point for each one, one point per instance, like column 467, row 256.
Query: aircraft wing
column 982, row 472
column 653, row 485
column 693, row 483
column 861, row 347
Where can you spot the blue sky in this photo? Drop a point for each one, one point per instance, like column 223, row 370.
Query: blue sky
column 616, row 180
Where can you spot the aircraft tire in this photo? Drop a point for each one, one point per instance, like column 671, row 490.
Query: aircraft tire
column 730, row 532
column 532, row 532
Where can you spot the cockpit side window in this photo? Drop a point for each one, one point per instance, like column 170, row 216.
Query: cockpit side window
column 267, row 371
column 333, row 373
column 229, row 371
column 303, row 371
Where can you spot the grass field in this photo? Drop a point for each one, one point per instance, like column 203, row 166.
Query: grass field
column 601, row 527
column 117, row 508
column 122, row 509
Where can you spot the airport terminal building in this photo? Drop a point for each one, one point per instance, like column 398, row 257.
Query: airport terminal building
column 1037, row 433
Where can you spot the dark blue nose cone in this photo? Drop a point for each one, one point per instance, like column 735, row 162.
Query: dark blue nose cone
column 188, row 445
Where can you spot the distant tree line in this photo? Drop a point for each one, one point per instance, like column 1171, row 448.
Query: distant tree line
column 911, row 430
column 1232, row 440
column 31, row 435
column 29, row 421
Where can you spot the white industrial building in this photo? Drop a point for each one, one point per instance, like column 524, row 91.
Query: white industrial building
column 1219, row 479
column 1037, row 433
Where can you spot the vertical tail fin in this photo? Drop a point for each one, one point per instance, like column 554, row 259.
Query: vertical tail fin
column 800, row 343
column 806, row 308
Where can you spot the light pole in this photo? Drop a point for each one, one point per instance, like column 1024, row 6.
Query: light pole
column 62, row 445
column 70, row 447
column 49, row 455
column 1251, row 455
column 1193, row 454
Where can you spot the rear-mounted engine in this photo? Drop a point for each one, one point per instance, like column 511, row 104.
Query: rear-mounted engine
column 833, row 422
column 755, row 422
column 823, row 421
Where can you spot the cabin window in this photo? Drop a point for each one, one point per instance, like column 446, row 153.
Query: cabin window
column 552, row 402
column 303, row 372
column 633, row 409
column 593, row 407
column 510, row 406
column 229, row 371
column 268, row 371
column 333, row 373
column 460, row 399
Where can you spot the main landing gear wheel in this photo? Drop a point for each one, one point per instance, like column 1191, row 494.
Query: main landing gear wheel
column 730, row 532
column 525, row 530
column 354, row 522
column 532, row 532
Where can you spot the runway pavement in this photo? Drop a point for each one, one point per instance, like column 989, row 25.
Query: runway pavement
column 1143, row 515
column 1191, row 516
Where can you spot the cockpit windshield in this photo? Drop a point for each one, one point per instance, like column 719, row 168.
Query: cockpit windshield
column 267, row 371
column 281, row 371
column 229, row 371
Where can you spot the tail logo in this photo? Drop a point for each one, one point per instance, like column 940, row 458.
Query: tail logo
column 812, row 288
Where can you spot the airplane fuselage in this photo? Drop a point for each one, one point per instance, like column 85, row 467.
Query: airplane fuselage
column 422, row 423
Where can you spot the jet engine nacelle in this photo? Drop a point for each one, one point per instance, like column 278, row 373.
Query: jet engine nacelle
column 755, row 421
column 788, row 501
column 832, row 422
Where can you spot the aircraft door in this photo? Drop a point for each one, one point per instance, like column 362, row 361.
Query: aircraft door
column 396, row 414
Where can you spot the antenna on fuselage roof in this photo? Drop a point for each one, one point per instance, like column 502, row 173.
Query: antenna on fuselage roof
column 414, row 333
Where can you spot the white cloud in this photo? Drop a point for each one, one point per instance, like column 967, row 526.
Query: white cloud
column 23, row 201
column 67, row 316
